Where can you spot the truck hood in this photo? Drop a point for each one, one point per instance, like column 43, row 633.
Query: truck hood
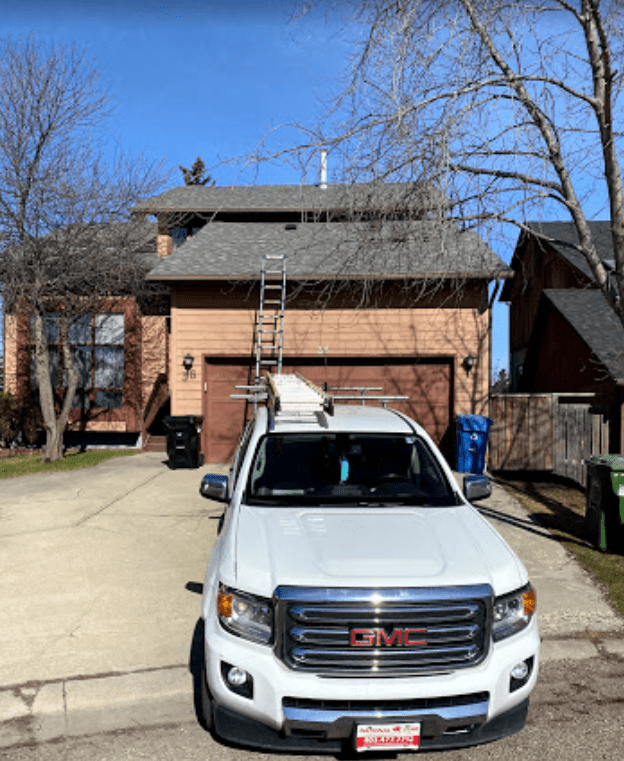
column 370, row 547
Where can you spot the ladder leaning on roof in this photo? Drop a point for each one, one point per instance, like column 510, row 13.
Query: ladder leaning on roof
column 270, row 333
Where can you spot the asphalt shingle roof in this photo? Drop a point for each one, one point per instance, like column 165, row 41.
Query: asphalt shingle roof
column 328, row 250
column 588, row 312
column 194, row 198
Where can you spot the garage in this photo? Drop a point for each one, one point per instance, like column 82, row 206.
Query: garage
column 427, row 381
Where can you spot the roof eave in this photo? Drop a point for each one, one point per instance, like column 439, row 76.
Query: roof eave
column 495, row 275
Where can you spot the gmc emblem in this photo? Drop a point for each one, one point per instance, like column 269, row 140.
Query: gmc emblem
column 379, row 637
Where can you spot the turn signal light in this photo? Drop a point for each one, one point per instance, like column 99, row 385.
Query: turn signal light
column 530, row 601
column 224, row 605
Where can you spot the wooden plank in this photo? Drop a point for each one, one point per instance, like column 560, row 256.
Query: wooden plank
column 541, row 434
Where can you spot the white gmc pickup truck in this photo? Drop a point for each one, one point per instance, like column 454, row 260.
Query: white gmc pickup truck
column 354, row 599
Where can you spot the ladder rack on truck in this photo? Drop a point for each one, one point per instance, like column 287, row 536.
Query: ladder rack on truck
column 289, row 397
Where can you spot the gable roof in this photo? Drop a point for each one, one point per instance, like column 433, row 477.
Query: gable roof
column 590, row 315
column 294, row 198
column 563, row 237
column 224, row 250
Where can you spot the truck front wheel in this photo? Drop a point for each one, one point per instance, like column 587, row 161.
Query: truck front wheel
column 205, row 699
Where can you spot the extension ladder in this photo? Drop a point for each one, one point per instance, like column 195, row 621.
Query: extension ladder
column 270, row 332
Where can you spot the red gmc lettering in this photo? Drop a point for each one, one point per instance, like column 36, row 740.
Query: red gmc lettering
column 362, row 637
column 407, row 641
column 379, row 637
column 389, row 640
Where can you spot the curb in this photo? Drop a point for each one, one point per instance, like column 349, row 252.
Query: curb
column 40, row 712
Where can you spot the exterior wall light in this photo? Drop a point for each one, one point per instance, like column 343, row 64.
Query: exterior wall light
column 469, row 362
column 187, row 363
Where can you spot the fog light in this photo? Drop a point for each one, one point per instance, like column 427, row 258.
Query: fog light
column 520, row 674
column 237, row 677
column 237, row 680
column 519, row 671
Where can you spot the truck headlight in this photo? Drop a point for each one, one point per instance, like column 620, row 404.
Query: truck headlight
column 244, row 614
column 513, row 612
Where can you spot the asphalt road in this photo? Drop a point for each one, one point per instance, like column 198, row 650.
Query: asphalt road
column 577, row 714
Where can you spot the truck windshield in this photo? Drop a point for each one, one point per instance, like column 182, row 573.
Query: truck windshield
column 338, row 468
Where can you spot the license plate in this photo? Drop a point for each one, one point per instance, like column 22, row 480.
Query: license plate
column 387, row 737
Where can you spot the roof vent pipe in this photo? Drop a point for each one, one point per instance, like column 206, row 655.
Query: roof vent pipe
column 323, row 168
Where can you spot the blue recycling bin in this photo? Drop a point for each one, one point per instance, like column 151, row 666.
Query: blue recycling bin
column 472, row 437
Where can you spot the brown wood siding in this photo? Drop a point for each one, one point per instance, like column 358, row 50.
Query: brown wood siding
column 539, row 267
column 574, row 369
column 154, row 352
column 212, row 322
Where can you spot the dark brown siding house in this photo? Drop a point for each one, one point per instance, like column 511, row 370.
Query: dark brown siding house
column 376, row 296
column 564, row 336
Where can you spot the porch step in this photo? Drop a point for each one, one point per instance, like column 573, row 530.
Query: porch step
column 155, row 444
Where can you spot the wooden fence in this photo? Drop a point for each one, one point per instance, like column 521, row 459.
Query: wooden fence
column 549, row 432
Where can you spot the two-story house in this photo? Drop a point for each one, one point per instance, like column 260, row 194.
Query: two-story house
column 377, row 296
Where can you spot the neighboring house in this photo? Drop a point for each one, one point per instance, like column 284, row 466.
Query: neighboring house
column 564, row 336
column 377, row 297
column 122, row 356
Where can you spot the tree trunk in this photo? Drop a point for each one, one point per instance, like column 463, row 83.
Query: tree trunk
column 54, row 426
column 53, row 446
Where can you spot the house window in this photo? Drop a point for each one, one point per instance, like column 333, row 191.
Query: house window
column 179, row 235
column 97, row 343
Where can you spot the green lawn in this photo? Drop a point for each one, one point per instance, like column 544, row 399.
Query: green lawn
column 560, row 507
column 26, row 465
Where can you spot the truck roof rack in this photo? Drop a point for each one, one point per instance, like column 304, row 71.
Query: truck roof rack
column 289, row 397
column 292, row 398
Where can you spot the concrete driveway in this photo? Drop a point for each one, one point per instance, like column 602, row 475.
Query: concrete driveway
column 101, row 573
column 101, row 569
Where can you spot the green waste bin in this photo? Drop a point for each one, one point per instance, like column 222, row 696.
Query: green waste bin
column 604, row 506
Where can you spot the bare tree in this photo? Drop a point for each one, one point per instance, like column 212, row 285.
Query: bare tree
column 67, row 247
column 509, row 107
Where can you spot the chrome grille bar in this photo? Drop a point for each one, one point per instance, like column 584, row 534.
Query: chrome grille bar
column 382, row 632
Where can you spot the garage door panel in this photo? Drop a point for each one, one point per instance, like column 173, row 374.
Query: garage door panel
column 224, row 417
column 426, row 383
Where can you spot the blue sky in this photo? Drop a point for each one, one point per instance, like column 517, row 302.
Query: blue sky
column 205, row 78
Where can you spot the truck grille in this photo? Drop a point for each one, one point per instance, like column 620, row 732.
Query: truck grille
column 366, row 632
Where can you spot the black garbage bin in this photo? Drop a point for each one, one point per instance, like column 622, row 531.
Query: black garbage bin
column 472, row 437
column 183, row 440
column 604, row 501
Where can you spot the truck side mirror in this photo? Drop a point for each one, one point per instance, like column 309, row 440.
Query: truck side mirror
column 477, row 487
column 214, row 486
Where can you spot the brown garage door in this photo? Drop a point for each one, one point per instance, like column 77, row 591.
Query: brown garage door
column 427, row 382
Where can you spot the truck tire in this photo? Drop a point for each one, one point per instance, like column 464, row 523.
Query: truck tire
column 205, row 699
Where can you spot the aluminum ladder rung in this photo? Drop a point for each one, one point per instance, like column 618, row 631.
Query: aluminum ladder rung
column 271, row 314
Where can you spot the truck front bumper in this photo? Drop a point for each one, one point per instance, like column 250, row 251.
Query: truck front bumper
column 242, row 730
column 290, row 710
